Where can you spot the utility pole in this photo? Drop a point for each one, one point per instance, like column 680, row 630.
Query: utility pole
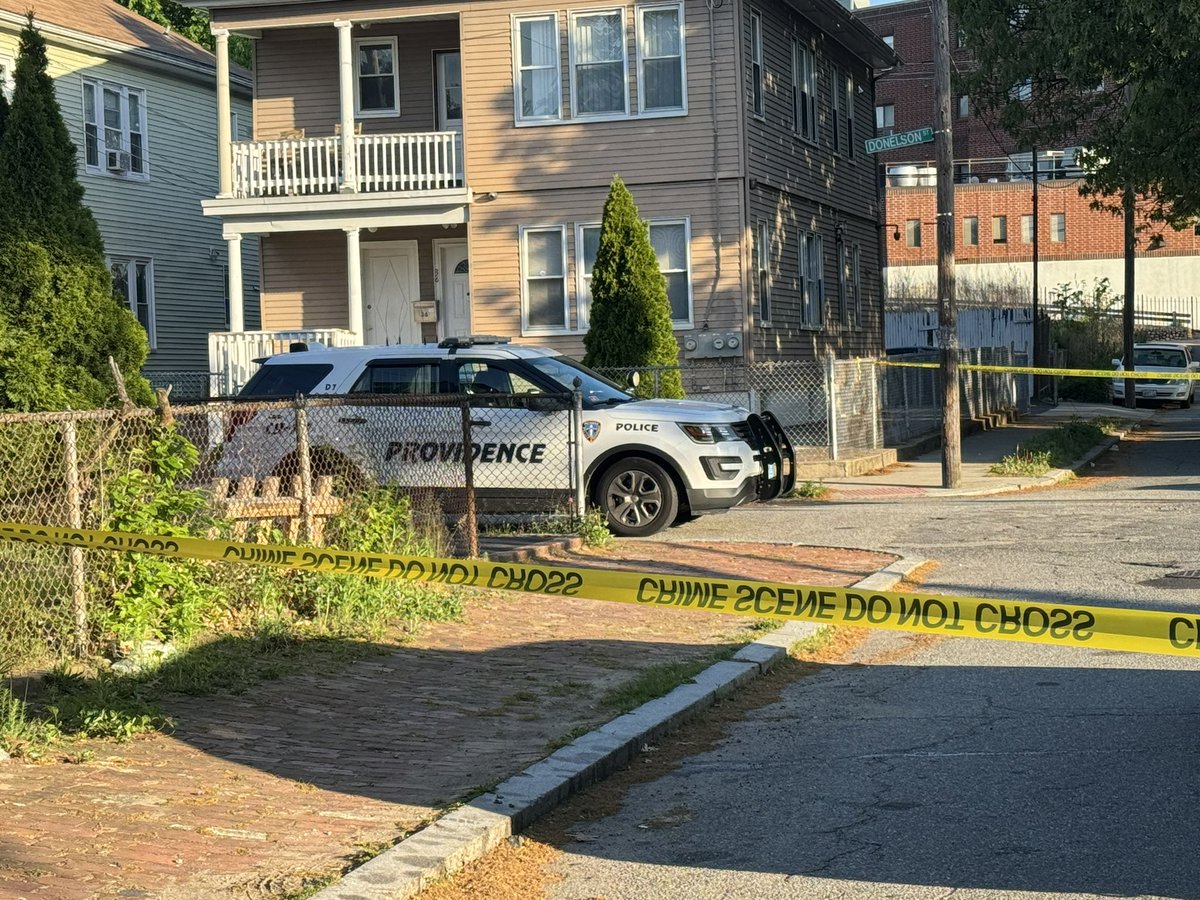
column 1037, row 319
column 947, row 311
column 1127, row 201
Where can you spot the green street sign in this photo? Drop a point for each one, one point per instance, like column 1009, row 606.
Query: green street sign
column 894, row 141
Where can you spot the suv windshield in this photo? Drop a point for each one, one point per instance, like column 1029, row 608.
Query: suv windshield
column 597, row 390
column 1166, row 357
column 284, row 381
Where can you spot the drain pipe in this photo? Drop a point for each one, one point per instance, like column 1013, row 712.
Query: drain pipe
column 713, row 5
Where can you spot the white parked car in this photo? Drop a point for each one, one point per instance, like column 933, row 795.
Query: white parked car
column 1164, row 356
column 647, row 463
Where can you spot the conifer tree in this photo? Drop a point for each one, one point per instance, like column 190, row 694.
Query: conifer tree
column 630, row 322
column 38, row 168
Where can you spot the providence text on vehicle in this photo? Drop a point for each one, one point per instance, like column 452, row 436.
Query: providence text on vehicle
column 452, row 451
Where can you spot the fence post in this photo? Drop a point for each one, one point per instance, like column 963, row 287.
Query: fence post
column 831, row 401
column 305, row 462
column 577, row 451
column 657, row 381
column 469, row 518
column 75, row 520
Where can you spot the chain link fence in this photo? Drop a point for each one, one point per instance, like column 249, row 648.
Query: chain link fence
column 186, row 387
column 829, row 409
column 262, row 471
column 911, row 399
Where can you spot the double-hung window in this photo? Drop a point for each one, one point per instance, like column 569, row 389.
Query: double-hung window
column 671, row 240
column 114, row 130
column 971, row 231
column 850, row 283
column 7, row 78
column 999, row 229
column 762, row 270
column 598, row 64
column 662, row 69
column 812, row 280
column 835, row 118
column 885, row 118
column 804, row 90
column 538, row 95
column 377, row 81
column 849, row 89
column 133, row 282
column 757, row 71
column 543, row 280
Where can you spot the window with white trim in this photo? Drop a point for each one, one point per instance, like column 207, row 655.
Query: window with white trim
column 8, row 82
column 762, row 272
column 114, row 129
column 757, row 72
column 671, row 240
column 377, row 78
column 849, row 89
column 537, row 91
column 543, row 280
column 856, row 283
column 885, row 117
column 964, row 106
column 662, row 67
column 599, row 78
column 804, row 90
column 133, row 282
column 812, row 280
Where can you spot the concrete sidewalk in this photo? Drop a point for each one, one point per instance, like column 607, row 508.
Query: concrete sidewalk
column 923, row 476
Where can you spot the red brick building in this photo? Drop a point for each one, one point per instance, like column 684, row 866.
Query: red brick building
column 993, row 191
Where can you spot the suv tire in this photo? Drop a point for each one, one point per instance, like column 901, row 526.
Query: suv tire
column 638, row 497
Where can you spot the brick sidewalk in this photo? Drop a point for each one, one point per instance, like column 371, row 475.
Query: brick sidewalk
column 253, row 793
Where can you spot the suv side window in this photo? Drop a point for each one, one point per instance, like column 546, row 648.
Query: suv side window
column 482, row 378
column 400, row 378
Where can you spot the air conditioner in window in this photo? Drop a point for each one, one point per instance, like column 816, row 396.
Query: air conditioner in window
column 116, row 160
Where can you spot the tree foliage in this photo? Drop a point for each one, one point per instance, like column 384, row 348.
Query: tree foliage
column 59, row 323
column 39, row 186
column 1117, row 77
column 193, row 24
column 630, row 323
column 59, row 320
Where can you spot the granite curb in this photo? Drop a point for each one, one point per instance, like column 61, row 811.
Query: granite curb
column 471, row 831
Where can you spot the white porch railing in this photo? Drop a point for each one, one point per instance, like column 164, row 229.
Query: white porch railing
column 425, row 161
column 231, row 354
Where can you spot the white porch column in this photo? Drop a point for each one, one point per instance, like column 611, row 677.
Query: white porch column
column 354, row 283
column 346, row 92
column 224, row 116
column 236, row 303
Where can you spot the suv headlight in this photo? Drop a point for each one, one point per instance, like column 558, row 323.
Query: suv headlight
column 708, row 434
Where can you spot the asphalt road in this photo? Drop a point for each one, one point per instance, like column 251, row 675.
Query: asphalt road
column 953, row 767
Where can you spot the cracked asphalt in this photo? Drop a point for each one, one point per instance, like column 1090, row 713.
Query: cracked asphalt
column 932, row 768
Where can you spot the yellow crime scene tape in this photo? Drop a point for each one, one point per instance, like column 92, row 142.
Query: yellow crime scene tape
column 1109, row 628
column 1117, row 374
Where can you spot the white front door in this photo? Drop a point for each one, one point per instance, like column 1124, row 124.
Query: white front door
column 454, row 288
column 449, row 99
column 391, row 286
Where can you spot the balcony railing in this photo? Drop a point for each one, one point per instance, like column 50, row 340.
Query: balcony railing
column 294, row 167
column 232, row 354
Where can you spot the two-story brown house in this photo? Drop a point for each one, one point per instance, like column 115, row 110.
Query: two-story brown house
column 420, row 170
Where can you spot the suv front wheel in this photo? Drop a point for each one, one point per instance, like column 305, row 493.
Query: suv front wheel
column 638, row 497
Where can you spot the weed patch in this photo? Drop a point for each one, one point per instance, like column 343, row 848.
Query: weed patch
column 1056, row 448
column 810, row 490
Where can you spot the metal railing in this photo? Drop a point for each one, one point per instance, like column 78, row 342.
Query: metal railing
column 231, row 354
column 287, row 167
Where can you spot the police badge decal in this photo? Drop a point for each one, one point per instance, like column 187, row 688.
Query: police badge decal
column 591, row 429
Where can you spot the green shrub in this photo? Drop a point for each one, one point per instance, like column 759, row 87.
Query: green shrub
column 140, row 596
column 630, row 321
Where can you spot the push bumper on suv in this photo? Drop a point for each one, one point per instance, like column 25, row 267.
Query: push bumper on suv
column 773, row 451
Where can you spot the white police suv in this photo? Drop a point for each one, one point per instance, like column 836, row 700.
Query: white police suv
column 646, row 463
